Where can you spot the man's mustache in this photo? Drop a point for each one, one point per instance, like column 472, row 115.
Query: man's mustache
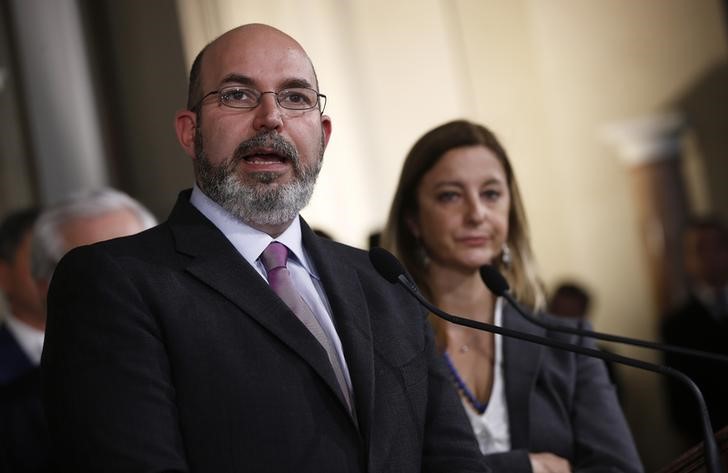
column 271, row 141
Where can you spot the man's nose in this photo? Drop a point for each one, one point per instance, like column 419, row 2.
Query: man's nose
column 268, row 113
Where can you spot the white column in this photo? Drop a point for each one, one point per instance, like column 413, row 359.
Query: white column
column 651, row 149
column 58, row 97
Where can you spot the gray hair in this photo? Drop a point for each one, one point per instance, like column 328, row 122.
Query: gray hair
column 48, row 247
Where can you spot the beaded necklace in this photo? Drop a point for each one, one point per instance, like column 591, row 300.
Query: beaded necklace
column 463, row 388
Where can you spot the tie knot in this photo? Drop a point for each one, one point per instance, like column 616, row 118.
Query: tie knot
column 274, row 256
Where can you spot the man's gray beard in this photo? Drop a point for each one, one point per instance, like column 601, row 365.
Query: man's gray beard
column 256, row 199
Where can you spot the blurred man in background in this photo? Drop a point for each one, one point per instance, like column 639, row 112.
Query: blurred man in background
column 701, row 322
column 30, row 247
column 83, row 218
column 23, row 434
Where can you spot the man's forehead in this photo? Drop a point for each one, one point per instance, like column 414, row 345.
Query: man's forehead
column 259, row 54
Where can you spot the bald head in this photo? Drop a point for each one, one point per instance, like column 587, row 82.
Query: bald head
column 254, row 38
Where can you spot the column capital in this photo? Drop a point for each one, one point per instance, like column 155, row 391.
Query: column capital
column 646, row 139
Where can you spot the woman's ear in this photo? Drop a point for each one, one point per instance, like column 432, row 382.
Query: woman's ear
column 413, row 225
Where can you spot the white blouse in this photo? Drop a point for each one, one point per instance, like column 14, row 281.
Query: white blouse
column 491, row 428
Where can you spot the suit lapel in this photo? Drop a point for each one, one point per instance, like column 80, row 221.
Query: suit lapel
column 216, row 263
column 349, row 311
column 521, row 361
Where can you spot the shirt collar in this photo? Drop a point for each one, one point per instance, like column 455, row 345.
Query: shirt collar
column 249, row 241
column 29, row 338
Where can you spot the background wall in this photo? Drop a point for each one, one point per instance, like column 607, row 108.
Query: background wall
column 546, row 76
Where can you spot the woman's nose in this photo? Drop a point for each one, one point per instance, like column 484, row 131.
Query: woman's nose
column 476, row 210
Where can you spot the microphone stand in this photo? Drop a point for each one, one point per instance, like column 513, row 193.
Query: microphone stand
column 712, row 458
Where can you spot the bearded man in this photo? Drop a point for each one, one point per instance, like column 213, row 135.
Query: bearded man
column 231, row 338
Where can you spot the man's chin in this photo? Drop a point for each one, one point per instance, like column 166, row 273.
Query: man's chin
column 268, row 178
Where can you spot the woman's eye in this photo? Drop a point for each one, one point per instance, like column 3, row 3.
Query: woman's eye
column 491, row 194
column 447, row 196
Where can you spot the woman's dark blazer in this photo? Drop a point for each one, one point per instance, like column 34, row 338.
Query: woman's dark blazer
column 561, row 402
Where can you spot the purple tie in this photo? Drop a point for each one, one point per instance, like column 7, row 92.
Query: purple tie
column 274, row 259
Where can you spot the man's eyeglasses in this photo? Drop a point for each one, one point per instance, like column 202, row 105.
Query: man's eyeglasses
column 297, row 98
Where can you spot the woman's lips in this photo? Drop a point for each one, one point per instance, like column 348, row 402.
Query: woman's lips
column 474, row 240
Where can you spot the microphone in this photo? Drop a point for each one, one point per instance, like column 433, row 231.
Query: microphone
column 499, row 286
column 389, row 267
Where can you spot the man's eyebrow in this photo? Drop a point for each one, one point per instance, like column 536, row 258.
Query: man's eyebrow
column 296, row 83
column 240, row 79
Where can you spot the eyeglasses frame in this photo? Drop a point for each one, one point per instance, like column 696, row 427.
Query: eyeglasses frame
column 319, row 96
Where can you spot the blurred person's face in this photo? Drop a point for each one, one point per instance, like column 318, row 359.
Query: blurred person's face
column 16, row 283
column 87, row 230
column 79, row 231
column 568, row 306
column 260, row 164
column 463, row 204
column 706, row 252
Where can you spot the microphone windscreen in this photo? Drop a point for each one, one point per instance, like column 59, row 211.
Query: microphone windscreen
column 386, row 264
column 494, row 280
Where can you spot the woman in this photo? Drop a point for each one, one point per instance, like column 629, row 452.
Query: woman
column 457, row 207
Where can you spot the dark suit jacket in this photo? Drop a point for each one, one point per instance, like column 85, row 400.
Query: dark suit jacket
column 167, row 351
column 24, row 443
column 691, row 325
column 561, row 402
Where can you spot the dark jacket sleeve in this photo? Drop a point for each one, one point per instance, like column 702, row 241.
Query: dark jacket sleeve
column 515, row 461
column 604, row 442
column 104, row 359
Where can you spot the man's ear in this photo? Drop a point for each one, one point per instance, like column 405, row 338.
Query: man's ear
column 4, row 276
column 326, row 129
column 185, row 124
column 41, row 284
